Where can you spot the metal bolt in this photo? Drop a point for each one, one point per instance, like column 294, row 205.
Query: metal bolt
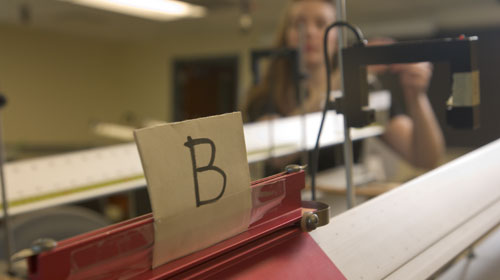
column 40, row 245
column 292, row 168
column 312, row 222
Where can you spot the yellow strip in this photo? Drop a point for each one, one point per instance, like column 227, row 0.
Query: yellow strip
column 52, row 195
column 32, row 199
column 70, row 191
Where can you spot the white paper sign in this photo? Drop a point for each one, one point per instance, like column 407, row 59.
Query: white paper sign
column 198, row 183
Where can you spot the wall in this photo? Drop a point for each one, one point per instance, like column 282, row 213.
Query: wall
column 59, row 84
column 56, row 85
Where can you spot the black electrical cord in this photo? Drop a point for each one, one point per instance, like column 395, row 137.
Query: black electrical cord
column 359, row 37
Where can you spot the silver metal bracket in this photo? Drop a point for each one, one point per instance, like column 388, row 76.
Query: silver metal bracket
column 40, row 245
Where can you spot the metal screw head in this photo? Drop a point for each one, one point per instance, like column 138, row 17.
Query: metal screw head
column 38, row 246
column 309, row 221
column 312, row 222
column 292, row 168
column 43, row 244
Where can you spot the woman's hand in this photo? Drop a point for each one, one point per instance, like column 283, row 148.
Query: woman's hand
column 414, row 77
column 417, row 135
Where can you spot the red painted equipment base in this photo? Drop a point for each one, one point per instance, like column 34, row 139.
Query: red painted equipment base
column 273, row 247
column 290, row 254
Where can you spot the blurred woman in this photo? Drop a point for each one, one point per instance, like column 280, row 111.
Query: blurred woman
column 414, row 133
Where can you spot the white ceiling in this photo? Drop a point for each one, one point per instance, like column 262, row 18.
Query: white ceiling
column 380, row 17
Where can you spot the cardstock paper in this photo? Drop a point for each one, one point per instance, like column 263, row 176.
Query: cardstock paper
column 198, row 183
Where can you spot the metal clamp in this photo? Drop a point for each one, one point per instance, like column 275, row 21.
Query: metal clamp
column 40, row 245
column 292, row 168
column 314, row 219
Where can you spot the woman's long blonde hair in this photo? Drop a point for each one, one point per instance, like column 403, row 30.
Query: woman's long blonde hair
column 274, row 91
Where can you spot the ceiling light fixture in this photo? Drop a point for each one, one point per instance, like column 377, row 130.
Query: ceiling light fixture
column 162, row 10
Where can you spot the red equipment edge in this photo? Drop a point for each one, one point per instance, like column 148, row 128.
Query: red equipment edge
column 125, row 249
